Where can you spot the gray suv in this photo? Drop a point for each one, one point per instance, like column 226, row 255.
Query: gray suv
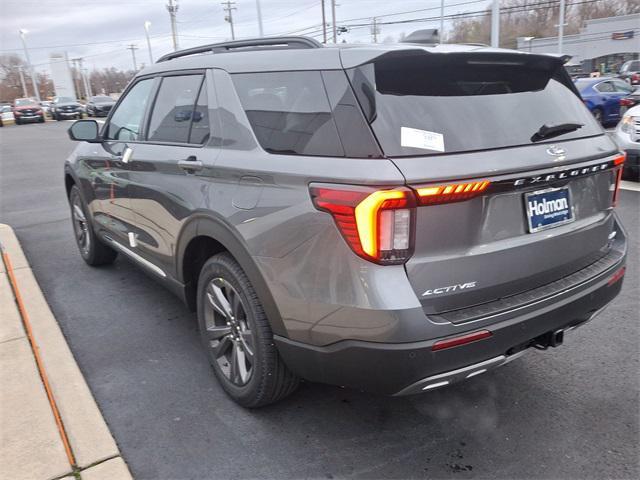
column 393, row 218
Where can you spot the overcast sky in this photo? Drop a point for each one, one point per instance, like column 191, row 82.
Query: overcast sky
column 100, row 30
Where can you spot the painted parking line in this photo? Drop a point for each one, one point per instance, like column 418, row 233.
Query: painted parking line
column 633, row 186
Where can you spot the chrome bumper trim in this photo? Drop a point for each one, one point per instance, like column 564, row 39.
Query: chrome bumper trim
column 447, row 378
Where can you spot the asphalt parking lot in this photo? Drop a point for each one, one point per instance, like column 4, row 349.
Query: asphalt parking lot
column 570, row 412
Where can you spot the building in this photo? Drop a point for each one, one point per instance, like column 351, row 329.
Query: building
column 603, row 44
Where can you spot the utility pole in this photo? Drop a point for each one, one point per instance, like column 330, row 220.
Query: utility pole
column 561, row 26
column 228, row 7
column 34, row 81
column 133, row 49
column 324, row 24
column 441, row 32
column 495, row 24
column 333, row 20
column 260, row 29
column 147, row 24
column 375, row 30
column 172, row 7
column 24, row 85
column 75, row 79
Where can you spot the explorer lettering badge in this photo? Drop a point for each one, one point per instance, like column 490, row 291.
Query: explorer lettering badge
column 450, row 288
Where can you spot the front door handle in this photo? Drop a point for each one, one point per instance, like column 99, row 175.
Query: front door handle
column 190, row 164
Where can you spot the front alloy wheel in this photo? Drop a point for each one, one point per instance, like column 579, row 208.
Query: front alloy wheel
column 228, row 332
column 80, row 226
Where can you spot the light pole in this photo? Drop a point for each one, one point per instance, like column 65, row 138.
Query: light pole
column 495, row 24
column 260, row 27
column 147, row 24
column 441, row 32
column 23, row 32
column 561, row 26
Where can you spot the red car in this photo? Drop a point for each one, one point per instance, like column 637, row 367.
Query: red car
column 27, row 110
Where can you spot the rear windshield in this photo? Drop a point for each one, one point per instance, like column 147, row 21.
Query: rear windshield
column 425, row 104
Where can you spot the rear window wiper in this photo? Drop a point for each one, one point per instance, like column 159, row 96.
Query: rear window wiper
column 550, row 131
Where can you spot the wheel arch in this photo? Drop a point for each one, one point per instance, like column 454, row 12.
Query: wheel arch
column 205, row 236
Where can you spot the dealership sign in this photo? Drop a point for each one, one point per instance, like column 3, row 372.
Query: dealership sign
column 622, row 35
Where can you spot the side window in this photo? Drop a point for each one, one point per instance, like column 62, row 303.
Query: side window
column 126, row 121
column 605, row 87
column 289, row 112
column 623, row 87
column 200, row 124
column 174, row 109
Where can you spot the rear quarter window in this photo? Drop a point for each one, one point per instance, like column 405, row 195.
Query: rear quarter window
column 289, row 112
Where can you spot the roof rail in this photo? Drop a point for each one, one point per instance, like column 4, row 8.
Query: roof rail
column 266, row 43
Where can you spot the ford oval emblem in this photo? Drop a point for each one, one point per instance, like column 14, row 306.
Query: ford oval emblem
column 556, row 151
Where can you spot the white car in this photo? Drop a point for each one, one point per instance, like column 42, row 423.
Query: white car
column 627, row 136
column 6, row 115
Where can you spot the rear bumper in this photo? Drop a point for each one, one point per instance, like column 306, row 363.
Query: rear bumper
column 406, row 368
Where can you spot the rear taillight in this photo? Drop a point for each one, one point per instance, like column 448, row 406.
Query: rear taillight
column 619, row 163
column 635, row 77
column 626, row 102
column 450, row 193
column 377, row 224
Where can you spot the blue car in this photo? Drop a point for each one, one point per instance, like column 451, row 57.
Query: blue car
column 602, row 96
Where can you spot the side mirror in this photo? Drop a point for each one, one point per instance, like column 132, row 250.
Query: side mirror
column 85, row 131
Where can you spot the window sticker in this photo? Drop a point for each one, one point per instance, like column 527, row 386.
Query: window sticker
column 415, row 138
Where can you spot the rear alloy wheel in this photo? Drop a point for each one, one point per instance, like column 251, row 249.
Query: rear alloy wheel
column 92, row 250
column 230, row 336
column 237, row 336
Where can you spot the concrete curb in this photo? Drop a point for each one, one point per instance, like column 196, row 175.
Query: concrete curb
column 88, row 434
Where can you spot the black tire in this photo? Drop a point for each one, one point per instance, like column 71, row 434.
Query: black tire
column 270, row 380
column 17, row 122
column 597, row 114
column 91, row 248
column 41, row 120
column 58, row 118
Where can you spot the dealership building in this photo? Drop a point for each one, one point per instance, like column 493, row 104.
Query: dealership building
column 602, row 44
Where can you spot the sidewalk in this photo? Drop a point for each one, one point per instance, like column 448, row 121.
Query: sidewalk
column 35, row 443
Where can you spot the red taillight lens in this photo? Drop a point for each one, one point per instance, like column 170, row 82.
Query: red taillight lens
column 619, row 162
column 626, row 102
column 617, row 276
column 450, row 193
column 376, row 224
column 461, row 340
column 635, row 77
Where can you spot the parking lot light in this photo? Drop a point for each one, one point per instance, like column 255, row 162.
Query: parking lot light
column 147, row 24
column 23, row 32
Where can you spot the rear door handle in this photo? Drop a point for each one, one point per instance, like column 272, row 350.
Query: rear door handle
column 126, row 155
column 190, row 164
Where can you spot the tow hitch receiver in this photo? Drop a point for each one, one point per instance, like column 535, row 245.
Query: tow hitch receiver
column 549, row 339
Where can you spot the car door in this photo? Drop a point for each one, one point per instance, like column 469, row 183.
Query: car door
column 106, row 165
column 169, row 171
column 607, row 100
